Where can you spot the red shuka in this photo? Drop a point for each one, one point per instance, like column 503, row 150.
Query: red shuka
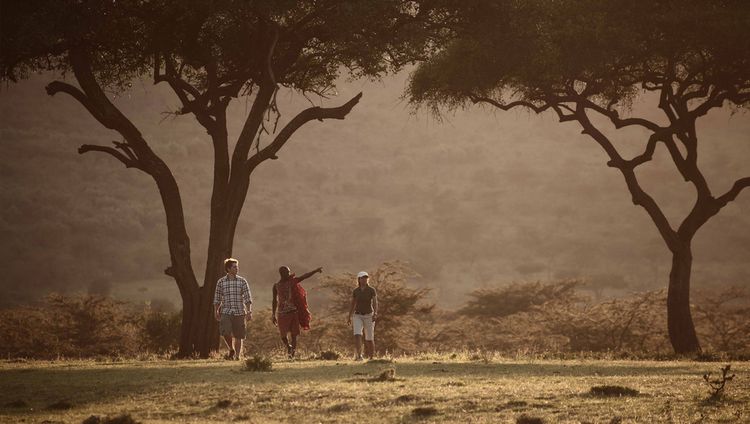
column 299, row 298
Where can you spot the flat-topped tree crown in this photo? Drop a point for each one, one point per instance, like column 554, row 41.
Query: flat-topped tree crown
column 584, row 59
column 307, row 43
column 602, row 49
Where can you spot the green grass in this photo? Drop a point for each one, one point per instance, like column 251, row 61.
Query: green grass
column 425, row 389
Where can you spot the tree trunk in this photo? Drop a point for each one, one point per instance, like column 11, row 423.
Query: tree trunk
column 679, row 319
column 207, row 329
column 180, row 268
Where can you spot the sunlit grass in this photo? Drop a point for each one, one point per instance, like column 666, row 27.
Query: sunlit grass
column 462, row 387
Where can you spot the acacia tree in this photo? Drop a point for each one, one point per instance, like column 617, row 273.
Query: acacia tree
column 588, row 61
column 209, row 53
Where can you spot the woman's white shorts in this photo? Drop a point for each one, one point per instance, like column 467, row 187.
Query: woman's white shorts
column 364, row 323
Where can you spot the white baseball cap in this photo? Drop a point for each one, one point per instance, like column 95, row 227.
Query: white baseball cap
column 362, row 274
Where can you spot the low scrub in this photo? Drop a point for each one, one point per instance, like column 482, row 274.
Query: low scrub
column 258, row 363
column 612, row 390
column 544, row 320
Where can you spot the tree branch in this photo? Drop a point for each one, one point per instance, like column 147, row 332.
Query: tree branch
column 62, row 87
column 732, row 194
column 268, row 73
column 127, row 161
column 309, row 114
column 125, row 147
column 502, row 106
column 647, row 155
column 639, row 196
column 561, row 115
column 251, row 126
column 197, row 106
column 614, row 117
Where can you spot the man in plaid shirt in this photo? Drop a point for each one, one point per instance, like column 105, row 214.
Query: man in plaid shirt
column 232, row 302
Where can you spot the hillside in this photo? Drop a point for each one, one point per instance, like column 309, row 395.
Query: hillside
column 476, row 199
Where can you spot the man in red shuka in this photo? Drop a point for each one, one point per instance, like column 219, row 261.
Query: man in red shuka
column 290, row 300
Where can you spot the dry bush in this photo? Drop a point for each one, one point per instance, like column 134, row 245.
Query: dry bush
column 509, row 319
column 424, row 411
column 523, row 318
column 70, row 326
column 258, row 363
column 25, row 333
column 559, row 320
column 518, row 297
column 613, row 390
column 722, row 319
column 718, row 384
column 633, row 324
column 161, row 331
column 94, row 325
column 119, row 419
column 526, row 419
column 329, row 355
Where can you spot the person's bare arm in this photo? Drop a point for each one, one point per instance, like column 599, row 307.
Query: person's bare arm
column 375, row 307
column 248, row 298
column 310, row 274
column 273, row 305
column 351, row 311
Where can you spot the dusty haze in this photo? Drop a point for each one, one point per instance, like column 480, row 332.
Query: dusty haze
column 479, row 199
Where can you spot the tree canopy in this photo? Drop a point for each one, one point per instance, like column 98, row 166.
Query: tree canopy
column 542, row 52
column 308, row 42
column 588, row 61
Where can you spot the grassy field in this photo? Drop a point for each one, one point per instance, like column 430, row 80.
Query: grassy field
column 430, row 388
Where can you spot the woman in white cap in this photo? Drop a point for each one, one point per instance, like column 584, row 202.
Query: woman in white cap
column 363, row 313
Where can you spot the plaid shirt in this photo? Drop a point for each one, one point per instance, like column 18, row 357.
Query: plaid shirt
column 234, row 295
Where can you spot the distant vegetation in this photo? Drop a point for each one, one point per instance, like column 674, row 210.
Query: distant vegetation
column 554, row 319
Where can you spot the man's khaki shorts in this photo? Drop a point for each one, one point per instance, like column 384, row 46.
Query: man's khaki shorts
column 232, row 325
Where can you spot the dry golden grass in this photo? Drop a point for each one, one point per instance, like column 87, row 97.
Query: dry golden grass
column 427, row 388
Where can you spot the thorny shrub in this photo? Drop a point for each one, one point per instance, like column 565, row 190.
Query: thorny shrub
column 554, row 318
column 82, row 327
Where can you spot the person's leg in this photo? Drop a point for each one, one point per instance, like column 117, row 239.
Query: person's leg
column 294, row 330
column 358, row 327
column 369, row 333
column 227, row 341
column 283, row 323
column 225, row 327
column 240, row 332
column 285, row 340
column 293, row 345
column 358, row 346
column 237, row 348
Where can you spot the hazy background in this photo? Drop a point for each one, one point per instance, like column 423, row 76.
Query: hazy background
column 482, row 198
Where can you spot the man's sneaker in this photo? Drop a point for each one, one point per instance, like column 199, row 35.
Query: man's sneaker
column 230, row 355
column 289, row 351
column 358, row 359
